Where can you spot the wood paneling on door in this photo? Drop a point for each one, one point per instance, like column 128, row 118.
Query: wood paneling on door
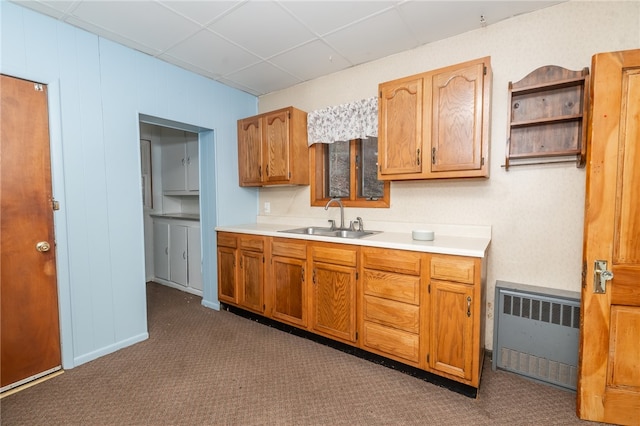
column 30, row 342
column 609, row 367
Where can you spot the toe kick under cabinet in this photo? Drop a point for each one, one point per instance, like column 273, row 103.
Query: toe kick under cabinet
column 421, row 309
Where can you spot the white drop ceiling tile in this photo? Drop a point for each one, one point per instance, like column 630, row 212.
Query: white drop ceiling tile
column 133, row 44
column 374, row 38
column 310, row 61
column 263, row 77
column 202, row 12
column 430, row 20
column 56, row 9
column 263, row 28
column 323, row 18
column 208, row 51
column 146, row 22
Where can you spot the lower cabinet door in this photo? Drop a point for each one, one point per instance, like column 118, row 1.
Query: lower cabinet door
column 290, row 295
column 161, row 250
column 251, row 280
column 334, row 301
column 178, row 254
column 452, row 318
column 227, row 275
column 194, row 255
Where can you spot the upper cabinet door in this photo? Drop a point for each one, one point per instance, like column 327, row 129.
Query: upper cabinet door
column 400, row 127
column 436, row 124
column 277, row 146
column 456, row 134
column 250, row 151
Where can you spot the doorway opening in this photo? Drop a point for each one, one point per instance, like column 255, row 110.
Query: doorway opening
column 170, row 185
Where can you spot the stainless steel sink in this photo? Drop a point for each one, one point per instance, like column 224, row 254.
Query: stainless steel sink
column 328, row 232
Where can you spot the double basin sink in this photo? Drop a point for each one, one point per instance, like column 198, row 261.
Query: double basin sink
column 328, row 232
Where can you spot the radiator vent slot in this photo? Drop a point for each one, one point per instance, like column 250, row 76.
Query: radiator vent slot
column 536, row 333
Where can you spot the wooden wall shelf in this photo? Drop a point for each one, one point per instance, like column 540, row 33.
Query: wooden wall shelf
column 547, row 112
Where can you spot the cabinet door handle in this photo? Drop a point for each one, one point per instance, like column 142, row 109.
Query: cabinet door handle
column 433, row 155
column 166, row 250
column 468, row 306
column 260, row 171
column 302, row 275
column 188, row 160
column 183, row 161
column 267, row 170
column 314, row 276
column 418, row 156
column 184, row 255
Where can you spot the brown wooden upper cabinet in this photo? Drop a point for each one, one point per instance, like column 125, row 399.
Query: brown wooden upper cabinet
column 272, row 148
column 436, row 124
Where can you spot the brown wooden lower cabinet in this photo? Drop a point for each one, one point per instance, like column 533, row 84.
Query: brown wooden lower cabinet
column 288, row 278
column 421, row 309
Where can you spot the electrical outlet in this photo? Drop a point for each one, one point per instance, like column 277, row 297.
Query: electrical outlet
column 267, row 207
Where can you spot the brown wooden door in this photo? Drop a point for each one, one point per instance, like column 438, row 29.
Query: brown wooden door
column 252, row 280
column 288, row 280
column 250, row 151
column 400, row 121
column 30, row 342
column 609, row 371
column 456, row 125
column 227, row 267
column 277, row 146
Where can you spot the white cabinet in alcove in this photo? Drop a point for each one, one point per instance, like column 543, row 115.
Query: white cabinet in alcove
column 180, row 170
column 177, row 253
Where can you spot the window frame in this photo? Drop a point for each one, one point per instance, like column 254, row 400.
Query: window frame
column 317, row 173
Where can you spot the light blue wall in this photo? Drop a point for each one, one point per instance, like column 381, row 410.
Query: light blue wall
column 97, row 89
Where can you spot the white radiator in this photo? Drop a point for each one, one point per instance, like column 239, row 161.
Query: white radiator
column 536, row 332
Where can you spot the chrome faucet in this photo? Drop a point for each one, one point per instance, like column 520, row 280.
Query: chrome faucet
column 339, row 202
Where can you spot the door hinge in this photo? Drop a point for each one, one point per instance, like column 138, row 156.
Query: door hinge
column 356, row 276
column 381, row 94
column 356, row 336
column 482, row 161
column 55, row 204
column 38, row 87
column 263, row 259
column 427, row 358
column 484, row 70
column 429, row 289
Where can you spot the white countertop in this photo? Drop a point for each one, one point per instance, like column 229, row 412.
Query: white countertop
column 184, row 216
column 459, row 245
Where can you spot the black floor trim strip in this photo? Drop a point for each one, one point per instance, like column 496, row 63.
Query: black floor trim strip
column 444, row 382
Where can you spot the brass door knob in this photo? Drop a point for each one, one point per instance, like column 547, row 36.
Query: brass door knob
column 43, row 246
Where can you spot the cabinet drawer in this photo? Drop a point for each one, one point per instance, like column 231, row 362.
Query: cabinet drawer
column 392, row 313
column 391, row 341
column 334, row 254
column 453, row 268
column 403, row 288
column 227, row 240
column 254, row 243
column 400, row 261
column 289, row 248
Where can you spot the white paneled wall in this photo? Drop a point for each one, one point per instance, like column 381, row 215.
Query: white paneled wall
column 97, row 90
column 536, row 212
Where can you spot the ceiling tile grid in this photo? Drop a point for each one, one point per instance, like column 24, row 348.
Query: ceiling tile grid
column 261, row 46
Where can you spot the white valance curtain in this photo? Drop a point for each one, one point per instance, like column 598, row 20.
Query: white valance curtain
column 354, row 120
